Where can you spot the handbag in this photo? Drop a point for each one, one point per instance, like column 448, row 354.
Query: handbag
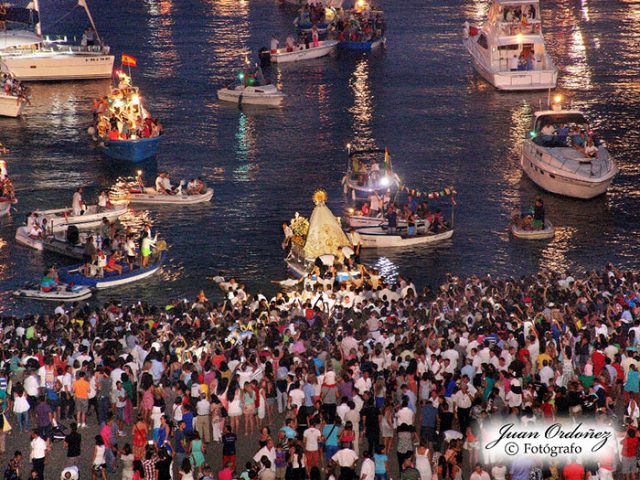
column 6, row 426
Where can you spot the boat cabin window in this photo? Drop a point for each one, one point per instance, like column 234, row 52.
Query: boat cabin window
column 482, row 41
column 519, row 13
column 519, row 19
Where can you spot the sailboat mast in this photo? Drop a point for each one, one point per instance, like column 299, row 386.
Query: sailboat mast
column 36, row 7
column 83, row 3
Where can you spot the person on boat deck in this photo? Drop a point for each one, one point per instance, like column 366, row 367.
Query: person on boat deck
column 376, row 204
column 48, row 283
column 411, row 224
column 412, row 203
column 274, row 44
column 548, row 131
column 113, row 265
column 290, row 43
column 366, row 211
column 89, row 254
column 538, row 214
column 101, row 263
column 590, row 150
column 513, row 63
column 163, row 183
column 563, row 133
column 259, row 76
column 315, row 39
column 103, row 201
column 145, row 248
column 130, row 249
column 76, row 202
column 374, row 174
column 356, row 242
column 288, row 236
column 578, row 138
column 392, row 219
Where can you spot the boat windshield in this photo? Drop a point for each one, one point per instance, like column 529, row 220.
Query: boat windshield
column 563, row 130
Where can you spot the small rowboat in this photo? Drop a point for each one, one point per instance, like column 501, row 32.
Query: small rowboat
column 324, row 48
column 266, row 95
column 59, row 219
column 63, row 293
column 379, row 237
column 73, row 275
column 546, row 233
column 61, row 246
column 11, row 106
column 363, row 46
column 151, row 196
column 23, row 238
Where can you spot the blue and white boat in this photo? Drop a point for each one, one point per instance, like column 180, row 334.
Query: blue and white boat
column 361, row 28
column 131, row 150
column 73, row 275
column 365, row 46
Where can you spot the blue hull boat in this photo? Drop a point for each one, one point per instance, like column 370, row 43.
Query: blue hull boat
column 132, row 150
column 72, row 275
column 361, row 46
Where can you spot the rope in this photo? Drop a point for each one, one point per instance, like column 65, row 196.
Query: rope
column 65, row 15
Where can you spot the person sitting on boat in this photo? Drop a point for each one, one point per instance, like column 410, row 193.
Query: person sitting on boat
column 315, row 39
column 290, row 43
column 103, row 201
column 163, row 184
column 538, row 214
column 590, row 150
column 439, row 223
column 77, row 203
column 366, row 211
column 89, row 254
column 47, row 283
column 101, row 263
column 563, row 133
column 275, row 44
column 548, row 131
column 112, row 263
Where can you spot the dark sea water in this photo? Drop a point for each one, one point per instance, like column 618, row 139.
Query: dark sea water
column 420, row 97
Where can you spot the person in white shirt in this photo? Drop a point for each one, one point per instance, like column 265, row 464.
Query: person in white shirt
column 368, row 467
column 39, row 448
column 311, row 438
column 203, row 419
column 70, row 473
column 268, row 451
column 296, row 396
column 479, row 474
column 76, row 202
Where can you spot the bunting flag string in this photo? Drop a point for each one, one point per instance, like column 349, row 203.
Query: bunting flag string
column 445, row 192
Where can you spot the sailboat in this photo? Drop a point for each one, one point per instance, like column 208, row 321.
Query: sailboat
column 29, row 55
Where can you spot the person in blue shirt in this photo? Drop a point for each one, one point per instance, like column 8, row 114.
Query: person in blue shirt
column 381, row 461
column 179, row 443
column 187, row 416
column 289, row 432
column 330, row 435
column 428, row 421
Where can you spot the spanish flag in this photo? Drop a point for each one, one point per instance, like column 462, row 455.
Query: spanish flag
column 387, row 160
column 128, row 60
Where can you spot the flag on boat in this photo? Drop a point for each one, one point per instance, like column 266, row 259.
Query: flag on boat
column 128, row 60
column 387, row 160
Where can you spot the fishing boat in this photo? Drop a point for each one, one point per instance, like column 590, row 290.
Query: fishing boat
column 265, row 95
column 31, row 56
column 366, row 176
column 124, row 129
column 545, row 233
column 363, row 28
column 74, row 274
column 381, row 237
column 508, row 51
column 318, row 241
column 299, row 54
column 134, row 191
column 11, row 105
column 562, row 155
column 62, row 293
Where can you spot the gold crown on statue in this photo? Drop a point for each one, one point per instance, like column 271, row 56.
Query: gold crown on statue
column 320, row 197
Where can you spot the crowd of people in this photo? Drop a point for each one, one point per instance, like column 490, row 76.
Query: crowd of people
column 339, row 380
column 359, row 26
column 13, row 87
column 573, row 135
column 121, row 115
column 7, row 190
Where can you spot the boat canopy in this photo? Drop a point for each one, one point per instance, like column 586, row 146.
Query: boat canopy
column 559, row 117
column 18, row 39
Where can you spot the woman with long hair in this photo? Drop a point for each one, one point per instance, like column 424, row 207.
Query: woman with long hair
column 249, row 408
column 140, row 433
column 234, row 395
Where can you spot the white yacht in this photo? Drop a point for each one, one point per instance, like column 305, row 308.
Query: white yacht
column 563, row 156
column 508, row 51
column 29, row 55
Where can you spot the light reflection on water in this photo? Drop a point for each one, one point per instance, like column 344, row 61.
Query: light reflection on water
column 420, row 97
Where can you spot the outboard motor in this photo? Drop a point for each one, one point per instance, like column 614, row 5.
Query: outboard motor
column 264, row 55
column 73, row 235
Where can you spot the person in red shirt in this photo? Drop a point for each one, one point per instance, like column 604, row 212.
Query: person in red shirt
column 226, row 473
column 598, row 359
column 629, row 466
column 573, row 471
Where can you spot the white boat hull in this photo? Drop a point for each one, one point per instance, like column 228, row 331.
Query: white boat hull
column 358, row 221
column 11, row 106
column 123, row 281
column 59, row 295
column 23, row 238
column 559, row 182
column 376, row 237
column 324, row 49
column 548, row 232
column 50, row 66
column 59, row 219
column 151, row 197
column 520, row 80
column 252, row 96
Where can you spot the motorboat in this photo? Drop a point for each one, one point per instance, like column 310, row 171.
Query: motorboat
column 369, row 171
column 74, row 274
column 126, row 191
column 508, row 50
column 31, row 56
column 381, row 237
column 563, row 156
column 62, row 293
column 57, row 242
column 59, row 219
column 545, row 233
column 363, row 45
column 142, row 136
column 300, row 53
column 363, row 28
column 318, row 241
column 264, row 95
column 11, row 105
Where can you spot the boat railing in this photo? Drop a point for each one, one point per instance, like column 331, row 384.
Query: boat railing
column 509, row 29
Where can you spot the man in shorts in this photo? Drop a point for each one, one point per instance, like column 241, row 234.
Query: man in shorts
column 81, row 396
